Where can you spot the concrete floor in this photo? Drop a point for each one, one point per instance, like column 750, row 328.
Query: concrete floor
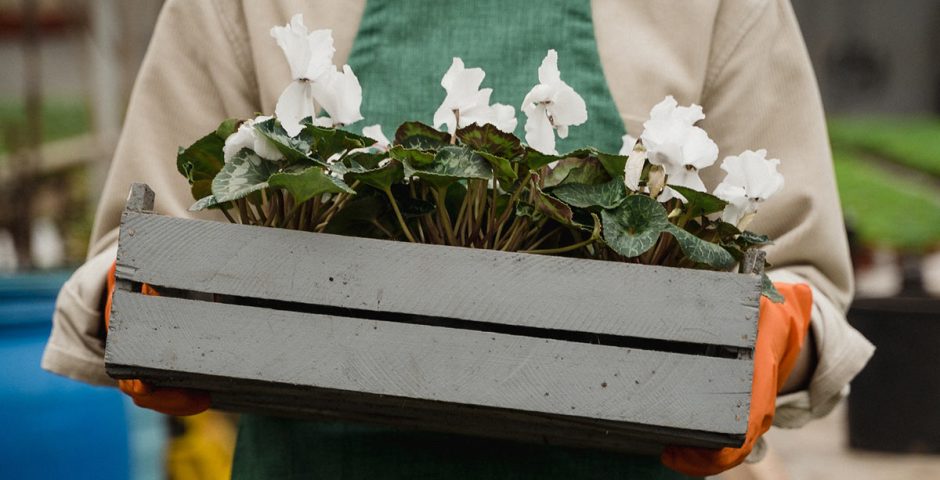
column 819, row 451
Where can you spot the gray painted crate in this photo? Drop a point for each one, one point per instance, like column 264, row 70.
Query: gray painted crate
column 534, row 348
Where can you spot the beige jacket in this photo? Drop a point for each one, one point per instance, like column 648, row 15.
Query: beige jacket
column 743, row 60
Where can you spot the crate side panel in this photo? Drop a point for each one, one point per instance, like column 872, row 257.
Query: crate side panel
column 303, row 402
column 432, row 363
column 448, row 282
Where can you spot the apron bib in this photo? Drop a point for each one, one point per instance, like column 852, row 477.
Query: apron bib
column 401, row 51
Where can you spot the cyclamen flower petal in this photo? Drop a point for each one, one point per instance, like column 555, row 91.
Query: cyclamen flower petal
column 309, row 54
column 463, row 94
column 340, row 94
column 669, row 109
column 682, row 149
column 636, row 160
column 466, row 104
column 539, row 133
column 751, row 178
column 503, row 117
column 478, row 111
column 294, row 105
column 247, row 137
column 375, row 132
column 629, row 141
column 553, row 103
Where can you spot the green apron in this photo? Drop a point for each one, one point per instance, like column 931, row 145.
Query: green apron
column 401, row 51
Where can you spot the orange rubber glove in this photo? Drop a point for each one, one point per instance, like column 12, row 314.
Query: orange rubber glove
column 171, row 401
column 781, row 330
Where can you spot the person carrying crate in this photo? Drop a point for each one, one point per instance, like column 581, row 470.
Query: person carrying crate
column 744, row 62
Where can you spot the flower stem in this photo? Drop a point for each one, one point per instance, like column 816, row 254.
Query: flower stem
column 553, row 251
column 384, row 230
column 259, row 212
column 439, row 198
column 401, row 220
column 227, row 215
column 453, row 135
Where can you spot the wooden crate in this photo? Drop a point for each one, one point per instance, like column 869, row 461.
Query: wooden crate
column 508, row 345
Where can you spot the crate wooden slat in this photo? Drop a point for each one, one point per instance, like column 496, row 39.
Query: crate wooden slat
column 432, row 337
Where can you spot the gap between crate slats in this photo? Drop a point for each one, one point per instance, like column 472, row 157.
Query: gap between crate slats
column 712, row 308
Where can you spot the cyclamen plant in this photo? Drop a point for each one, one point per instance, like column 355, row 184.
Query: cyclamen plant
column 476, row 184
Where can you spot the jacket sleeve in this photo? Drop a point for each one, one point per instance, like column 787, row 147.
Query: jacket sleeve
column 760, row 92
column 197, row 72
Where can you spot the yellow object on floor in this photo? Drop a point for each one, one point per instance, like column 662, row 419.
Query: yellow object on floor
column 201, row 446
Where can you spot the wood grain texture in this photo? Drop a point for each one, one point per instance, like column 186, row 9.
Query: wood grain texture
column 431, row 363
column 714, row 308
column 296, row 401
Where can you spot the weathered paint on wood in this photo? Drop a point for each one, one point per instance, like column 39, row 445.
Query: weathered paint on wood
column 301, row 402
column 432, row 363
column 140, row 199
column 439, row 281
column 398, row 370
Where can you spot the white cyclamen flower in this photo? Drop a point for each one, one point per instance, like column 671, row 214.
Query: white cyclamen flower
column 310, row 56
column 466, row 104
column 636, row 160
column 673, row 142
column 751, row 178
column 247, row 137
column 551, row 105
column 340, row 94
column 629, row 141
column 375, row 133
column 503, row 117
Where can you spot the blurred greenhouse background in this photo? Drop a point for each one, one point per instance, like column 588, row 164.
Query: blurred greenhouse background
column 69, row 65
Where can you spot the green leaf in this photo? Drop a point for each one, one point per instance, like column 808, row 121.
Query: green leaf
column 699, row 203
column 358, row 162
column 326, row 142
column 504, row 168
column 246, row 173
column 204, row 203
column 525, row 209
column 358, row 217
column 308, row 183
column 554, row 209
column 420, row 136
column 573, row 169
column 201, row 161
column 411, row 157
column 634, row 227
column 381, row 178
column 295, row 149
column 768, row 290
column 613, row 164
column 603, row 196
column 227, row 127
column 588, row 172
column 489, row 139
column 450, row 164
column 701, row 251
column 409, row 206
column 536, row 160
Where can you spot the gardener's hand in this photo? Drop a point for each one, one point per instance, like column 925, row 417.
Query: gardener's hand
column 171, row 401
column 781, row 331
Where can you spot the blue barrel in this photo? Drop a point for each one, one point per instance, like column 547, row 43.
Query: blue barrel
column 52, row 427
